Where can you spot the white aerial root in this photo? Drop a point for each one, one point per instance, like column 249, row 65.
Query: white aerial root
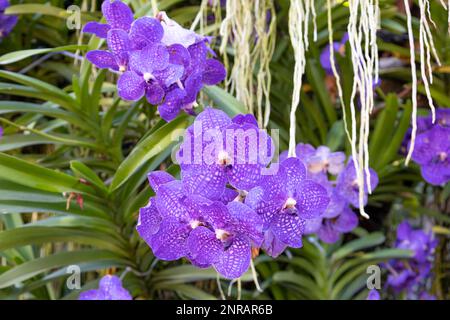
column 299, row 15
column 252, row 37
column 426, row 50
column 362, row 30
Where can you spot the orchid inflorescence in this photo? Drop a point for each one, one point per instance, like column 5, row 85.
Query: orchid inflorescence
column 432, row 151
column 156, row 58
column 229, row 202
column 7, row 22
column 411, row 276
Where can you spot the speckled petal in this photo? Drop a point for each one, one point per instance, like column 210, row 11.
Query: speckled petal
column 168, row 200
column 203, row 246
column 235, row 260
column 102, row 59
column 158, row 178
column 169, row 75
column 170, row 242
column 131, row 86
column 296, row 173
column 119, row 44
column 145, row 31
column 99, row 29
column 179, row 55
column 288, row 228
column 272, row 245
column 214, row 72
column 154, row 57
column 209, row 181
column 148, row 221
column 117, row 14
column 172, row 104
column 248, row 222
column 154, row 93
column 312, row 199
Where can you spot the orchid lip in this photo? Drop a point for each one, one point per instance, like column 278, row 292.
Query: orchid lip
column 222, row 234
column 290, row 203
column 148, row 76
column 223, row 158
column 195, row 223
column 122, row 68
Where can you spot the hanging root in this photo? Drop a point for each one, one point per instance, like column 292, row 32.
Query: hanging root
column 427, row 49
column 299, row 15
column 250, row 28
column 362, row 30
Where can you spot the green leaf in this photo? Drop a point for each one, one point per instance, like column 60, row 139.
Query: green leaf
column 368, row 241
column 225, row 101
column 25, row 173
column 147, row 149
column 85, row 172
column 32, row 268
column 18, row 237
column 15, row 56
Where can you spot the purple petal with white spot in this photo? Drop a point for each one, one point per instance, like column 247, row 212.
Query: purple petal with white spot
column 295, row 174
column 209, row 181
column 102, row 59
column 149, row 221
column 117, row 14
column 154, row 93
column 172, row 104
column 145, row 31
column 203, row 246
column 119, row 44
column 328, row 233
column 171, row 74
column 288, row 228
column 272, row 245
column 312, row 199
column 158, row 178
column 248, row 222
column 235, row 260
column 170, row 242
column 131, row 86
column 179, row 55
column 154, row 57
column 169, row 200
column 99, row 29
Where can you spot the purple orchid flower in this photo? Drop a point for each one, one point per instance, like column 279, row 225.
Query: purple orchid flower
column 118, row 16
column 412, row 274
column 177, row 224
column 225, row 241
column 432, row 153
column 7, row 22
column 151, row 72
column 200, row 71
column 218, row 150
column 110, row 288
column 347, row 184
column 339, row 47
column 117, row 58
column 329, row 229
column 373, row 295
column 284, row 201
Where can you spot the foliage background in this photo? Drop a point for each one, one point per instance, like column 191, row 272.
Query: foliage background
column 74, row 158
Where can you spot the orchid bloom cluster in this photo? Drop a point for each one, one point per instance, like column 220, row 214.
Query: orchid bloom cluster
column 432, row 150
column 339, row 179
column 228, row 203
column 7, row 22
column 110, row 288
column 156, row 58
column 411, row 276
